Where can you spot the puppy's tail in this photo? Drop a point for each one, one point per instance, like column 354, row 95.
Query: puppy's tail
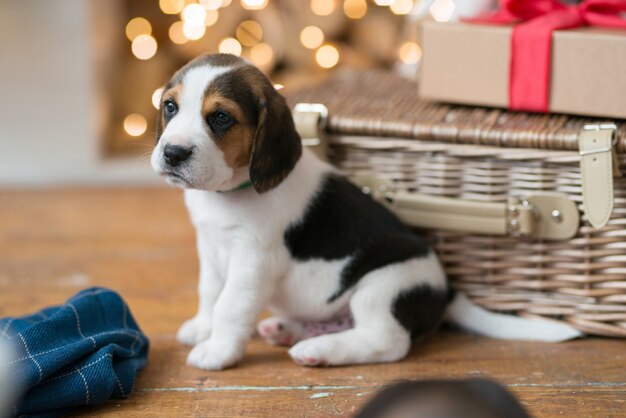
column 473, row 318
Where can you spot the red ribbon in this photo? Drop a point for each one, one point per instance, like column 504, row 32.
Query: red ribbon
column 531, row 41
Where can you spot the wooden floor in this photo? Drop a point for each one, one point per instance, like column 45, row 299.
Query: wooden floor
column 139, row 242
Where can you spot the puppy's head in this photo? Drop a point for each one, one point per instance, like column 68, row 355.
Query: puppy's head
column 221, row 122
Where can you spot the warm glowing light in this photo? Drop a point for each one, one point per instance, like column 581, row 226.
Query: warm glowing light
column 249, row 33
column 193, row 13
column 355, row 9
column 278, row 86
column 211, row 17
column 253, row 4
column 230, row 46
column 226, row 3
column 176, row 33
column 327, row 56
column 137, row 26
column 144, row 47
column 410, row 53
column 156, row 97
column 311, row 37
column 442, row 10
column 402, row 7
column 193, row 30
column 384, row 2
column 261, row 54
column 211, row 4
column 171, row 7
column 322, row 7
column 135, row 124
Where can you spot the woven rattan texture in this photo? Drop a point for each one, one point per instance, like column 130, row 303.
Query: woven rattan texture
column 379, row 103
column 377, row 124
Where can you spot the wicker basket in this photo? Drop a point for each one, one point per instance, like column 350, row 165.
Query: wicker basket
column 377, row 124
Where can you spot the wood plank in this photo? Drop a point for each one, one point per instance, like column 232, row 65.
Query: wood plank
column 54, row 243
column 542, row 402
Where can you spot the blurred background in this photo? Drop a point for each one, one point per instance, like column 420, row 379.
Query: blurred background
column 81, row 78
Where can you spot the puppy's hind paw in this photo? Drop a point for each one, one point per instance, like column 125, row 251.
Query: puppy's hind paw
column 194, row 330
column 280, row 331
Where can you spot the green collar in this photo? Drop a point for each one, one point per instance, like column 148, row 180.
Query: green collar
column 243, row 186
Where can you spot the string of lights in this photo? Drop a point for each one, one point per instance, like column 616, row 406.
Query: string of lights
column 249, row 38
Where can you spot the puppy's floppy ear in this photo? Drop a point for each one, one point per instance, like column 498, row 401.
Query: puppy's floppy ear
column 277, row 146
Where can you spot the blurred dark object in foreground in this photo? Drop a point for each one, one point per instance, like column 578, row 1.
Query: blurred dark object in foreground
column 472, row 398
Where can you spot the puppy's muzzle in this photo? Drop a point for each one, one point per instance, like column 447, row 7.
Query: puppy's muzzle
column 174, row 155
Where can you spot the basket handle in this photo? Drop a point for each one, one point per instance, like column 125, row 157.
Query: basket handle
column 550, row 216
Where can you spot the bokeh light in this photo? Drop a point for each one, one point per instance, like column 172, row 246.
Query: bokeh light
column 261, row 54
column 384, row 2
column 156, row 97
column 278, row 86
column 442, row 10
column 410, row 53
column 211, row 4
column 135, row 124
column 322, row 7
column 144, row 47
column 193, row 30
column 230, row 46
column 327, row 56
column 211, row 17
column 137, row 26
column 355, row 9
column 253, row 4
column 193, row 13
column 311, row 37
column 401, row 7
column 176, row 33
column 249, row 33
column 171, row 7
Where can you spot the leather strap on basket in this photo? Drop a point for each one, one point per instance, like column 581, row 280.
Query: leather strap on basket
column 550, row 216
column 598, row 165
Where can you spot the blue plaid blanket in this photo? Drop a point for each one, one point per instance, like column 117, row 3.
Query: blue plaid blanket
column 80, row 353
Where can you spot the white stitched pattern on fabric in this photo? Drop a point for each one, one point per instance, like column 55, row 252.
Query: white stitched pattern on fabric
column 125, row 319
column 133, row 334
column 119, row 384
column 6, row 327
column 31, row 357
column 86, row 385
column 82, row 368
column 132, row 347
column 80, row 331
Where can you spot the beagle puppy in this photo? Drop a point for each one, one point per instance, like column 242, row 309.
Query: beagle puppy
column 279, row 229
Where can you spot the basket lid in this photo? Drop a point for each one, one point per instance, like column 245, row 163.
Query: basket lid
column 383, row 104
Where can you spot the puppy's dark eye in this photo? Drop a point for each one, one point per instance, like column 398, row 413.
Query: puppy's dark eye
column 170, row 108
column 220, row 121
column 223, row 119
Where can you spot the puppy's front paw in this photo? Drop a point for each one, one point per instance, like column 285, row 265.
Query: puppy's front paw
column 194, row 330
column 214, row 355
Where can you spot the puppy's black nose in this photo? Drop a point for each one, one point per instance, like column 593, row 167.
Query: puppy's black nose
column 174, row 154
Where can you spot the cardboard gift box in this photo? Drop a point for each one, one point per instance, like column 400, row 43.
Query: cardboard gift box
column 468, row 63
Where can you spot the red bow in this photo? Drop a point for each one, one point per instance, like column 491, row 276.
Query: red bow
column 531, row 41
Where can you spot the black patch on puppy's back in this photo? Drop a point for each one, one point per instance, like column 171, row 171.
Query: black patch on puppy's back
column 340, row 221
column 420, row 310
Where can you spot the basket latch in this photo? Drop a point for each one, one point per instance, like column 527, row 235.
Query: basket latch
column 549, row 216
column 310, row 120
column 598, row 166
